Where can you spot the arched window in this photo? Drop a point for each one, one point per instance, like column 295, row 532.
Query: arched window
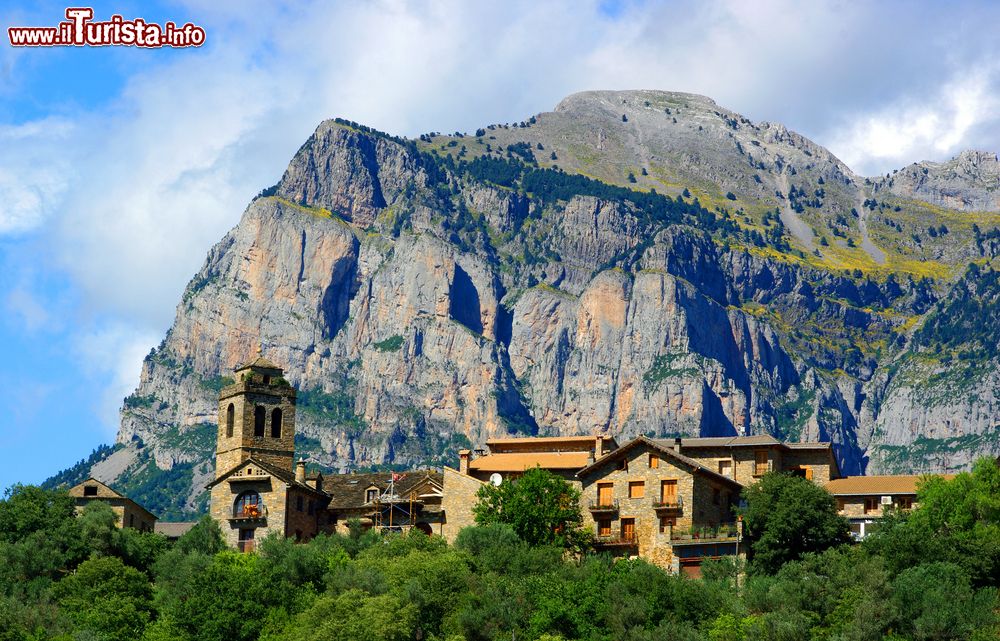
column 230, row 417
column 276, row 423
column 259, row 416
column 248, row 505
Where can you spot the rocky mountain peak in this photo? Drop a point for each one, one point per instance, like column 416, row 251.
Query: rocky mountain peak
column 636, row 262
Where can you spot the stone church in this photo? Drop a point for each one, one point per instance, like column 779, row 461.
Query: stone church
column 260, row 489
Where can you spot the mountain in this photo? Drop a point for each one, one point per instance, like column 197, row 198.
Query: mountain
column 635, row 262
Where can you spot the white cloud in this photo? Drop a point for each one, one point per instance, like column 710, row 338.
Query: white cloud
column 111, row 356
column 131, row 195
column 933, row 127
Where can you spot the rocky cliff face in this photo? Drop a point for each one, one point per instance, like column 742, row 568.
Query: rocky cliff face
column 632, row 263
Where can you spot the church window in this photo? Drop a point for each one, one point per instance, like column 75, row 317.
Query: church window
column 230, row 417
column 248, row 505
column 259, row 415
column 276, row 423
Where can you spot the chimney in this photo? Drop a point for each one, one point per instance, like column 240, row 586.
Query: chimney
column 677, row 444
column 598, row 446
column 463, row 461
column 300, row 471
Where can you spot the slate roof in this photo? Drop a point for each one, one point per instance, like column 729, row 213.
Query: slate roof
column 348, row 490
column 282, row 475
column 173, row 530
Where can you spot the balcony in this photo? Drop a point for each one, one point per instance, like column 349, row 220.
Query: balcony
column 604, row 507
column 626, row 539
column 725, row 532
column 669, row 504
column 250, row 514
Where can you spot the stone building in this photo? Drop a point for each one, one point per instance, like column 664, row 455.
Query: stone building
column 668, row 500
column 387, row 501
column 259, row 489
column 863, row 500
column 129, row 513
column 506, row 460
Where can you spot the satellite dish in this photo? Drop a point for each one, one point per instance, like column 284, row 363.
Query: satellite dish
column 496, row 479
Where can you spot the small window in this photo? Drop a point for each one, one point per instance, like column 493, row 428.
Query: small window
column 267, row 379
column 726, row 468
column 871, row 504
column 841, row 503
column 667, row 522
column 636, row 489
column 90, row 490
column 604, row 527
column 259, row 416
column 276, row 423
column 230, row 419
column 654, row 461
column 605, row 494
column 298, row 503
column 371, row 495
column 623, row 465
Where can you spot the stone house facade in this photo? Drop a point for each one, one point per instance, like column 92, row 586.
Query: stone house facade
column 864, row 500
column 129, row 513
column 667, row 500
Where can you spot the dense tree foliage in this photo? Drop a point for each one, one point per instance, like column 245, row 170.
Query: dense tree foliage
column 540, row 507
column 787, row 517
column 82, row 578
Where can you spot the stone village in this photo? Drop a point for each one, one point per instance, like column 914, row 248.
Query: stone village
column 669, row 501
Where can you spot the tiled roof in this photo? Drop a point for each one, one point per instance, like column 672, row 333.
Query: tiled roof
column 543, row 440
column 520, row 461
column 876, row 485
column 348, row 490
column 278, row 473
column 662, row 447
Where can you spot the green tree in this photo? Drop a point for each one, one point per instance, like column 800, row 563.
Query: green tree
column 787, row 517
column 957, row 521
column 108, row 598
column 937, row 601
column 540, row 507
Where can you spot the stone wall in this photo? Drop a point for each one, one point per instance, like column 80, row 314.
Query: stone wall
column 457, row 503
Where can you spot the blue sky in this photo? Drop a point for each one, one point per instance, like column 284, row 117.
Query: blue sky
column 120, row 168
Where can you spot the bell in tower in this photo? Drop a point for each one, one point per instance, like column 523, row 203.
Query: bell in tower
column 256, row 418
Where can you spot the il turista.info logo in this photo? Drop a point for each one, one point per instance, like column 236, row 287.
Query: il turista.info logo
column 81, row 30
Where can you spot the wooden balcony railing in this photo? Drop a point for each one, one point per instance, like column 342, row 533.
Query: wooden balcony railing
column 669, row 504
column 618, row 539
column 604, row 506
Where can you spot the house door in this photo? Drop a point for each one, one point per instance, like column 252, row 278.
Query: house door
column 628, row 529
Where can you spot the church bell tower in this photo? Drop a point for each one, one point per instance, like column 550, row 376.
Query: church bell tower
column 256, row 418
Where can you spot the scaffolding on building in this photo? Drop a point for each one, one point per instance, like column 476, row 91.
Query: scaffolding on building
column 393, row 512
